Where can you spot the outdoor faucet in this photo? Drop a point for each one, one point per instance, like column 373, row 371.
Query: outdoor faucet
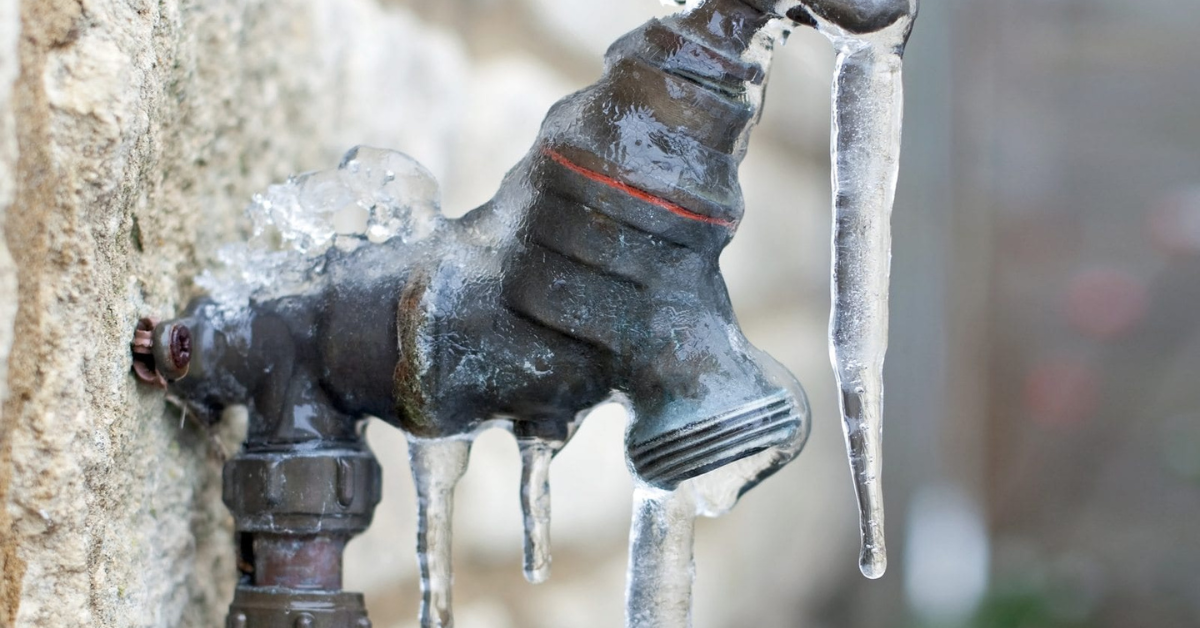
column 593, row 272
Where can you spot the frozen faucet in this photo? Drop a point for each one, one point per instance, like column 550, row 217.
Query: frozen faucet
column 592, row 272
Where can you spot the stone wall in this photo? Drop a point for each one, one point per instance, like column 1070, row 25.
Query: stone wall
column 141, row 129
column 132, row 134
column 9, row 579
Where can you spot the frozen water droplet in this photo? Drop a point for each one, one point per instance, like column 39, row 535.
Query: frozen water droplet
column 437, row 465
column 872, row 562
column 536, row 455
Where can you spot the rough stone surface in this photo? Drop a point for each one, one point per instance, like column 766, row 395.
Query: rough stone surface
column 140, row 130
column 8, row 277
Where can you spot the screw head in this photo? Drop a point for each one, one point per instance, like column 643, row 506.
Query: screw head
column 172, row 349
column 181, row 346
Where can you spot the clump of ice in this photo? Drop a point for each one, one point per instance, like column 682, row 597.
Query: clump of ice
column 374, row 195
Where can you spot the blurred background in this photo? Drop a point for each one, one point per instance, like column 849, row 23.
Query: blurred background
column 1043, row 413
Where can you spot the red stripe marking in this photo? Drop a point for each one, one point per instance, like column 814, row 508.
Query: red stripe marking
column 635, row 192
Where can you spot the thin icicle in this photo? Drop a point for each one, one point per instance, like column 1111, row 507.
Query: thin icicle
column 536, row 455
column 867, row 112
column 437, row 466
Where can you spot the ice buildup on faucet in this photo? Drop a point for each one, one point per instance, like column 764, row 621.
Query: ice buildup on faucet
column 591, row 275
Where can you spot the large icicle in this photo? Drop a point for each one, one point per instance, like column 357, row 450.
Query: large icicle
column 867, row 113
column 659, row 587
column 658, row 590
column 437, row 466
column 536, row 455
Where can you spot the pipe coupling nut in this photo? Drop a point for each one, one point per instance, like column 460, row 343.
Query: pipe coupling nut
column 303, row 492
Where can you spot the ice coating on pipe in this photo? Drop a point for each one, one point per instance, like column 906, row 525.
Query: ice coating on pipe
column 867, row 113
column 437, row 466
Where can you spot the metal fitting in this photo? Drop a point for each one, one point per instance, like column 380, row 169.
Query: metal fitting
column 303, row 492
column 162, row 352
column 258, row 607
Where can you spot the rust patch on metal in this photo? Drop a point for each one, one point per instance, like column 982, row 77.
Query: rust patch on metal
column 410, row 319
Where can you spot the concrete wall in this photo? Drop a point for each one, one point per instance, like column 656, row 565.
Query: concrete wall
column 132, row 134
